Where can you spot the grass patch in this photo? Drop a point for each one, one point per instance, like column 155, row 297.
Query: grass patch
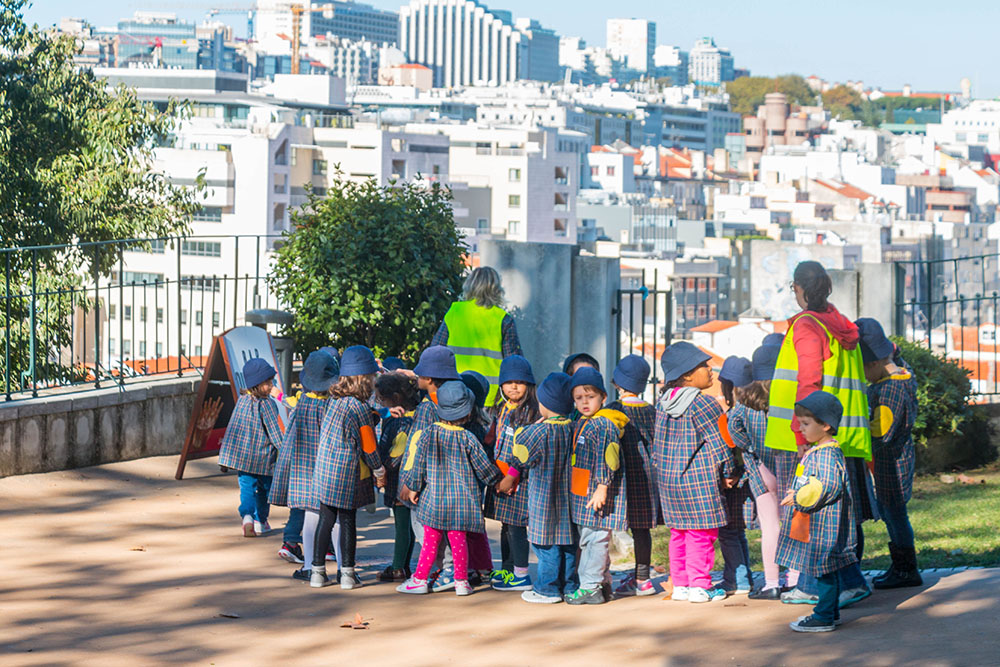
column 946, row 518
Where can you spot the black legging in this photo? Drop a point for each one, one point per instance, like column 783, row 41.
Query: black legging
column 642, row 545
column 348, row 535
column 513, row 547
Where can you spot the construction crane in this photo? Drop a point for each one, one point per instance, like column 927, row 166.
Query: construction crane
column 251, row 13
column 297, row 10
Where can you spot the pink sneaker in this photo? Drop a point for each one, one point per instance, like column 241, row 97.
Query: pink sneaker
column 645, row 587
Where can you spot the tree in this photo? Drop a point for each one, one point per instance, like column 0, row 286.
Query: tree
column 747, row 93
column 843, row 102
column 371, row 265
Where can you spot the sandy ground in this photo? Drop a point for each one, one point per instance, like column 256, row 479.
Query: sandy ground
column 120, row 564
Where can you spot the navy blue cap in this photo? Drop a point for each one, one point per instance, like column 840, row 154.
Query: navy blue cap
column 765, row 358
column 681, row 358
column 580, row 356
column 332, row 350
column 437, row 362
column 358, row 360
column 555, row 394
column 257, row 371
column 775, row 339
column 319, row 372
column 825, row 407
column 875, row 344
column 586, row 376
column 393, row 364
column 632, row 374
column 737, row 370
column 516, row 368
column 479, row 385
column 454, row 400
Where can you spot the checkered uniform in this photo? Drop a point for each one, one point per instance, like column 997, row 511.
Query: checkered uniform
column 510, row 510
column 343, row 473
column 893, row 405
column 831, row 531
column 597, row 449
column 423, row 416
column 252, row 437
column 293, row 473
column 640, row 483
column 448, row 464
column 545, row 449
column 690, row 459
column 391, row 448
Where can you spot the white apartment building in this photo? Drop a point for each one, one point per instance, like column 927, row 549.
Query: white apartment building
column 975, row 126
column 632, row 41
column 709, row 65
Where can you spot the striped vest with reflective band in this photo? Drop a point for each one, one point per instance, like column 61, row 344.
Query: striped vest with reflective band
column 475, row 336
column 843, row 376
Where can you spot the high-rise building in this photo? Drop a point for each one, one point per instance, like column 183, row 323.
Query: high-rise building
column 542, row 61
column 709, row 65
column 348, row 20
column 670, row 61
column 632, row 41
column 159, row 39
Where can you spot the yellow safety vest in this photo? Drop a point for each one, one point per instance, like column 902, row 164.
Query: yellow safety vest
column 843, row 376
column 475, row 335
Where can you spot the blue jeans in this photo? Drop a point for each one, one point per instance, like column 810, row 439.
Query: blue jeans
column 293, row 527
column 828, row 587
column 849, row 576
column 595, row 562
column 897, row 523
column 556, row 575
column 253, row 495
column 736, row 571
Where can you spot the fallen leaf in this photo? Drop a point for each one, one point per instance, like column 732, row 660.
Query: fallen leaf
column 947, row 479
column 138, row 548
column 965, row 479
column 358, row 623
column 226, row 614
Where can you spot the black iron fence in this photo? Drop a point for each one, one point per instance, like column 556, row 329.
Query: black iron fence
column 135, row 309
column 645, row 318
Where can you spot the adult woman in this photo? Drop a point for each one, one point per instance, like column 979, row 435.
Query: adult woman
column 820, row 352
column 478, row 330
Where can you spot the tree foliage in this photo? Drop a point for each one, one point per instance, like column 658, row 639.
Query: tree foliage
column 371, row 265
column 843, row 102
column 943, row 391
column 747, row 93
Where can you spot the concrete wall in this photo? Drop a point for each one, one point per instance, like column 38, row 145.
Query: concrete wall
column 866, row 291
column 561, row 302
column 104, row 426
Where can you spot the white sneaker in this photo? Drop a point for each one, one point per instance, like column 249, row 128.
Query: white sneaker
column 318, row 578
column 680, row 594
column 537, row 598
column 349, row 580
column 258, row 527
column 249, row 529
column 462, row 588
column 698, row 595
column 413, row 586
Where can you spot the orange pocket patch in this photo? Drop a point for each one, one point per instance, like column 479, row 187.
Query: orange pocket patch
column 724, row 430
column 368, row 442
column 799, row 528
column 503, row 466
column 580, row 482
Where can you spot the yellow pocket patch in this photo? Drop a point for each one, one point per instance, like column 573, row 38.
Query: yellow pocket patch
column 810, row 493
column 881, row 421
column 398, row 445
column 411, row 455
column 612, row 455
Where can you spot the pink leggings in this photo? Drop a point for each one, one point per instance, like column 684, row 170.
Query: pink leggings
column 768, row 514
column 692, row 554
column 429, row 550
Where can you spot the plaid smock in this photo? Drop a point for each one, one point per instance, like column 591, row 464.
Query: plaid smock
column 640, row 483
column 252, row 437
column 747, row 428
column 545, row 449
column 346, row 457
column 862, row 489
column 596, row 459
column 822, row 516
column 893, row 405
column 509, row 510
column 690, row 459
column 293, row 473
column 391, row 447
column 448, row 464
column 423, row 416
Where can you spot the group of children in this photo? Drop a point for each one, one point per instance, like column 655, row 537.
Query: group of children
column 562, row 468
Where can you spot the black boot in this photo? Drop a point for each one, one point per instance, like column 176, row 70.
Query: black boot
column 896, row 561
column 905, row 574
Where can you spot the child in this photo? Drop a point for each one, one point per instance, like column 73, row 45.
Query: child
column 346, row 458
column 737, row 574
column 692, row 462
column 251, row 444
column 630, row 378
column 479, row 421
column 396, row 390
column 545, row 449
column 819, row 538
column 515, row 406
column 445, row 489
column 892, row 401
column 596, row 503
column 293, row 472
column 575, row 362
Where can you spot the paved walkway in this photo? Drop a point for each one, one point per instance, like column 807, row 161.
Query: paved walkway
column 120, row 564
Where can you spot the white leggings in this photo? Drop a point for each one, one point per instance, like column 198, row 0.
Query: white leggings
column 309, row 538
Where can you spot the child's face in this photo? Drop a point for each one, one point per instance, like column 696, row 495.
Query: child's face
column 425, row 384
column 874, row 371
column 813, row 430
column 514, row 391
column 588, row 400
column 700, row 378
column 578, row 364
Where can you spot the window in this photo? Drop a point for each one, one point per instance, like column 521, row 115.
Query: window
column 513, row 227
column 184, row 350
column 712, row 311
column 215, row 319
column 127, row 310
column 197, row 350
column 679, row 285
column 142, row 349
column 319, row 166
column 208, row 214
column 201, row 248
column 690, row 285
column 142, row 313
column 559, row 227
column 112, row 311
column 689, row 312
column 514, row 201
column 436, row 169
column 610, row 171
column 595, row 171
column 184, row 317
column 159, row 349
column 197, row 318
column 399, row 168
column 111, row 345
column 702, row 284
column 514, row 175
column 201, row 283
column 983, row 138
column 126, row 347
column 713, row 284
column 159, row 246
column 960, row 136
column 702, row 311
column 159, row 315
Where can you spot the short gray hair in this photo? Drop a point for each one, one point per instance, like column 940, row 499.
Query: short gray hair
column 483, row 286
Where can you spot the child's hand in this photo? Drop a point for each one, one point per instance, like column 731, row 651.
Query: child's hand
column 600, row 497
column 730, row 482
column 397, row 411
column 789, row 498
column 380, row 479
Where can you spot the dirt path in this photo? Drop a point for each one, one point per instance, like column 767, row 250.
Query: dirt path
column 120, row 564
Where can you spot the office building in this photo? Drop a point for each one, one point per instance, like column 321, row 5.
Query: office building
column 348, row 20
column 671, row 62
column 632, row 41
column 158, row 39
column 709, row 65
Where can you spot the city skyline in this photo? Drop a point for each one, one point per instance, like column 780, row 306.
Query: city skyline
column 887, row 48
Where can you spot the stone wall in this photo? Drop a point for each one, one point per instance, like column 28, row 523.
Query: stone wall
column 102, row 426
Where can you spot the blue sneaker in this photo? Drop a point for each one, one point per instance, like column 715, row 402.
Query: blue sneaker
column 445, row 581
column 512, row 582
column 796, row 596
column 853, row 595
column 497, row 576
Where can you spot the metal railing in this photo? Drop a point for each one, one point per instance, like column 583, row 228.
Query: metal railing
column 136, row 309
column 644, row 317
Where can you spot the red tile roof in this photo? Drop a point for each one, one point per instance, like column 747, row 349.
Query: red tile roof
column 714, row 326
column 845, row 189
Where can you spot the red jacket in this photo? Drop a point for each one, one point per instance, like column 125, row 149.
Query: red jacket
column 813, row 348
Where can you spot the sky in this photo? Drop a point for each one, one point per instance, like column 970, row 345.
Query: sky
column 929, row 44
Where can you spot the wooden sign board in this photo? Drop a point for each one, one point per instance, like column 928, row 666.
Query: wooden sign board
column 223, row 380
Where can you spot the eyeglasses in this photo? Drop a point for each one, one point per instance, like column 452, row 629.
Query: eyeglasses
column 791, row 285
